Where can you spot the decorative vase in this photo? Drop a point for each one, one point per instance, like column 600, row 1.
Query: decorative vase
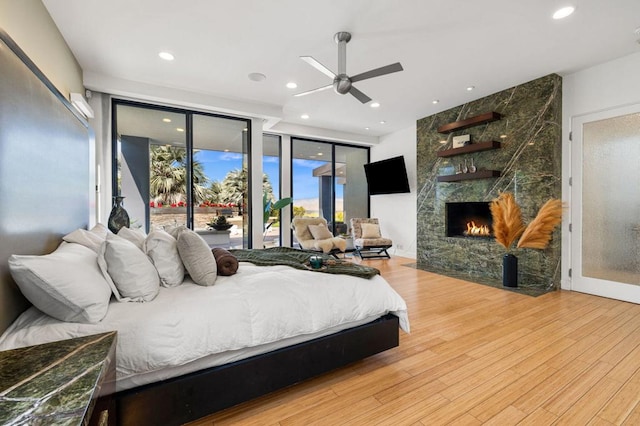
column 509, row 271
column 119, row 217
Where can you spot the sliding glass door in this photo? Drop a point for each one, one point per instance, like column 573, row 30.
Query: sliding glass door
column 177, row 167
column 272, row 169
column 328, row 181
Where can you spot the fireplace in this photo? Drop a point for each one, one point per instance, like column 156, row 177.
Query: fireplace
column 468, row 219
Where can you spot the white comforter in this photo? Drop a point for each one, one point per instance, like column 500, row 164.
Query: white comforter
column 256, row 306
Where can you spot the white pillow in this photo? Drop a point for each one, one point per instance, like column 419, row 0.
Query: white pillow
column 136, row 236
column 370, row 230
column 66, row 284
column 162, row 249
column 129, row 272
column 92, row 239
column 320, row 232
column 197, row 257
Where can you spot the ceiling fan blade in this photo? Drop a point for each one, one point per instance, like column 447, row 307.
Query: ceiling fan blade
column 387, row 69
column 317, row 65
column 359, row 95
column 319, row 89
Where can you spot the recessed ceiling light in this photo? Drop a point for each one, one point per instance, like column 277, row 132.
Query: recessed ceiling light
column 366, row 128
column 166, row 120
column 180, row 129
column 305, row 116
column 166, row 56
column 291, row 85
column 375, row 105
column 435, row 101
column 257, row 76
column 226, row 150
column 470, row 88
column 563, row 12
column 320, row 154
column 382, row 122
column 443, row 141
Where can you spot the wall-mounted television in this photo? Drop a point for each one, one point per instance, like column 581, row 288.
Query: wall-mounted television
column 387, row 176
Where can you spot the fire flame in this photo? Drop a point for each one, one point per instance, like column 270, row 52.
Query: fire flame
column 477, row 231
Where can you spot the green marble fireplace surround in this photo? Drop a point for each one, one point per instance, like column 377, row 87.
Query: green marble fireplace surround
column 528, row 157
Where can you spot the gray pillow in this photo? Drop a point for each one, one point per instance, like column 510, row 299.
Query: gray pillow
column 66, row 284
column 197, row 257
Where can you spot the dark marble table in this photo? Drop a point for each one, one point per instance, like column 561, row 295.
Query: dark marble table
column 55, row 383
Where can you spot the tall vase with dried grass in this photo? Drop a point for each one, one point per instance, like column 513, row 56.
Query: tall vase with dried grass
column 508, row 227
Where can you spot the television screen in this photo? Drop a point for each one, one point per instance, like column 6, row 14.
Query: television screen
column 387, row 176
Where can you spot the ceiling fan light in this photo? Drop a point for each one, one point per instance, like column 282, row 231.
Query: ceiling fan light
column 305, row 116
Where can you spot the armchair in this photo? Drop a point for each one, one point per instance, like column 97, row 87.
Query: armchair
column 368, row 242
column 312, row 233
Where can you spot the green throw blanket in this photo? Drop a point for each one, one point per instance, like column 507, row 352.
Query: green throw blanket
column 299, row 259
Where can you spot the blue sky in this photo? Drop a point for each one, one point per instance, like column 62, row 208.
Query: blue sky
column 217, row 164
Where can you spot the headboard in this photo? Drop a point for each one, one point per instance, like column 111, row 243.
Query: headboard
column 44, row 168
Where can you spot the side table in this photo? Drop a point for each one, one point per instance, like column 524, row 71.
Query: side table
column 58, row 382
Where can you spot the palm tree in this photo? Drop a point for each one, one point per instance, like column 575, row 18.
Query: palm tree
column 235, row 189
column 168, row 175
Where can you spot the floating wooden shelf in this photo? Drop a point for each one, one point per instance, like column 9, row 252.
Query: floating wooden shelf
column 474, row 147
column 469, row 122
column 480, row 174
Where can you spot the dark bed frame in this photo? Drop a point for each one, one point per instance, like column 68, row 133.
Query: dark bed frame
column 196, row 395
column 45, row 140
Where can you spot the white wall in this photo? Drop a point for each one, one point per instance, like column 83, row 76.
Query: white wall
column 606, row 86
column 397, row 212
column 29, row 24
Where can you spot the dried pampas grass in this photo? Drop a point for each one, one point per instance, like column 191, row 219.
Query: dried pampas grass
column 507, row 219
column 538, row 233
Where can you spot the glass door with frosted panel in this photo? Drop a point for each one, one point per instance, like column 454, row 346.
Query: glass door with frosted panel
column 605, row 197
column 220, row 180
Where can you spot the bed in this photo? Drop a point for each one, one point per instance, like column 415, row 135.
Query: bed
column 40, row 131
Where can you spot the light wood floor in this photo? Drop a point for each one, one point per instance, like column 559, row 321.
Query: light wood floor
column 476, row 355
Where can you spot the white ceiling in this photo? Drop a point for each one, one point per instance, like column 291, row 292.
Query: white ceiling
column 443, row 45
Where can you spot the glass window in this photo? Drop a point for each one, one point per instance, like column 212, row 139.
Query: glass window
column 271, row 167
column 183, row 168
column 220, row 180
column 151, row 165
column 352, row 199
column 329, row 182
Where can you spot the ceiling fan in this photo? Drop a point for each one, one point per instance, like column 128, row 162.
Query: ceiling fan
column 342, row 83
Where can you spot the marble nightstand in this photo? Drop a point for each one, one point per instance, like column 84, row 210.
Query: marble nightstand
column 57, row 383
